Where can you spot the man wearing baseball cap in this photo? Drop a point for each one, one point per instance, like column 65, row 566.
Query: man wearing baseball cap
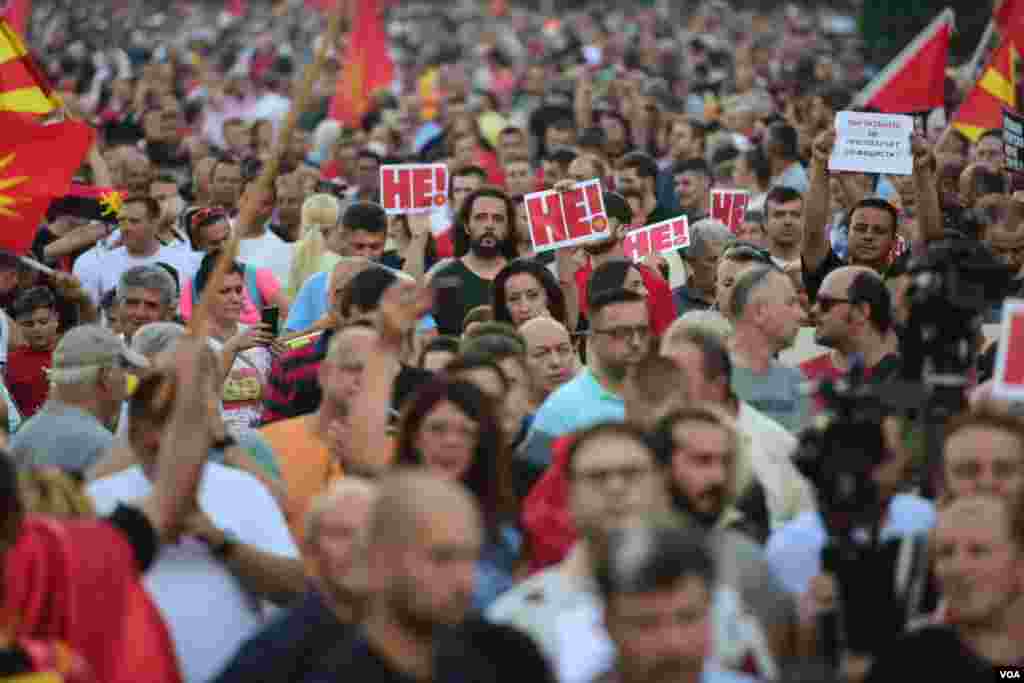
column 89, row 379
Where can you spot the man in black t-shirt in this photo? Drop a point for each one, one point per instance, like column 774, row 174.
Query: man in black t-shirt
column 979, row 563
column 424, row 542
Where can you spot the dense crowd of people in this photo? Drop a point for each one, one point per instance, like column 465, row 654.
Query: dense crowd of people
column 413, row 448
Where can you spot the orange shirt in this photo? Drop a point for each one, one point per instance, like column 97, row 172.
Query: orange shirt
column 307, row 468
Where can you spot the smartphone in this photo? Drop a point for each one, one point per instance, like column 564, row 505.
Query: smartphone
column 270, row 316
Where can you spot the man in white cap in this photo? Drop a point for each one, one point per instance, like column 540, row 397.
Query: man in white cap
column 88, row 380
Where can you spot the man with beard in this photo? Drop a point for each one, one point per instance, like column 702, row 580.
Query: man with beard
column 287, row 222
column 661, row 307
column 657, row 584
column 873, row 222
column 620, row 337
column 424, row 541
column 699, row 449
column 766, row 314
column 288, row 648
column 484, row 244
column 853, row 317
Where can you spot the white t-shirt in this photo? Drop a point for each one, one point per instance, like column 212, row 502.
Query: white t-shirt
column 208, row 612
column 100, row 269
column 268, row 251
column 242, row 394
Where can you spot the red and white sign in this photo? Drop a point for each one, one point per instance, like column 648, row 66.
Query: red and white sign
column 658, row 238
column 564, row 219
column 730, row 207
column 413, row 188
column 1008, row 382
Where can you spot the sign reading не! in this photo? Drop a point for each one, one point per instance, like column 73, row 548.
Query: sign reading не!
column 564, row 219
column 873, row 143
column 729, row 207
column 1008, row 381
column 659, row 238
column 413, row 188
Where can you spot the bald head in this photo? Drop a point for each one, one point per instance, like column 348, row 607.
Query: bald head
column 409, row 501
column 837, row 283
column 550, row 357
column 346, row 269
column 350, row 498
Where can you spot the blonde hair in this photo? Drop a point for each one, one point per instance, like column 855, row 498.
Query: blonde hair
column 50, row 491
column 320, row 212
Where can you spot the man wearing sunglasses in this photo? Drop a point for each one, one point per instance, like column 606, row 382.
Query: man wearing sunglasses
column 853, row 316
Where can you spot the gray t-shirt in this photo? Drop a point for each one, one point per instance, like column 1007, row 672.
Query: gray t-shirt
column 741, row 565
column 63, row 436
column 776, row 393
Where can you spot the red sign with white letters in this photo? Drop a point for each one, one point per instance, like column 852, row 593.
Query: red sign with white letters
column 413, row 188
column 563, row 219
column 658, row 238
column 730, row 207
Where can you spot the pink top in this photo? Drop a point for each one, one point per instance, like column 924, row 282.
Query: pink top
column 265, row 281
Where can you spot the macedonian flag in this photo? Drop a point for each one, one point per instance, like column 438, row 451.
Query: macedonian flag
column 37, row 163
column 23, row 87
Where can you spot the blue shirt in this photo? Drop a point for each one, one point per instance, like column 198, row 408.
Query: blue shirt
column 794, row 549
column 576, row 405
column 310, row 303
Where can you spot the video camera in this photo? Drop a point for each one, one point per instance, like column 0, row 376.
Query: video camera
column 882, row 583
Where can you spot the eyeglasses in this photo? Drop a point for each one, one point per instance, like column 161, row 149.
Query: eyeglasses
column 599, row 477
column 203, row 217
column 827, row 303
column 626, row 332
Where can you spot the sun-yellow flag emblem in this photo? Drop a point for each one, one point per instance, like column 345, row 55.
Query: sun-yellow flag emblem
column 9, row 200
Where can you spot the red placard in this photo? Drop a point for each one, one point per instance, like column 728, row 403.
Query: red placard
column 729, row 207
column 413, row 188
column 563, row 219
column 659, row 238
column 1009, row 376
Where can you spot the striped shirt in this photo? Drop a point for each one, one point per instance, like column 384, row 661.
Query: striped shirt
column 293, row 388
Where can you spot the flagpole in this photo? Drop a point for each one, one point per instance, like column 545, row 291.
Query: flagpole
column 200, row 320
column 969, row 71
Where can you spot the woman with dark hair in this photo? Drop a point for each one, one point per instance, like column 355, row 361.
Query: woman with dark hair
column 450, row 427
column 617, row 274
column 526, row 289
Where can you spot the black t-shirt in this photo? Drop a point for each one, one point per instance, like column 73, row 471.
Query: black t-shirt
column 931, row 654
column 476, row 652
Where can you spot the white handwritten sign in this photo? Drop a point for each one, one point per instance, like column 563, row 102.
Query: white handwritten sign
column 873, row 143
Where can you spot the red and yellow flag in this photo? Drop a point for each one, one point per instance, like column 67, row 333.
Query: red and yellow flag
column 367, row 66
column 23, row 87
column 17, row 13
column 982, row 109
column 37, row 163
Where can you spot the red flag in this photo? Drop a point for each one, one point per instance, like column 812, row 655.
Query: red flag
column 1007, row 14
column 17, row 13
column 915, row 80
column 237, row 8
column 368, row 67
column 982, row 109
column 37, row 163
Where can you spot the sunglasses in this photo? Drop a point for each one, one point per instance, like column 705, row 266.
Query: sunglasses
column 206, row 216
column 827, row 303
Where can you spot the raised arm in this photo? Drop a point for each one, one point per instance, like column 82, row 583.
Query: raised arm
column 185, row 445
column 926, row 185
column 817, row 204
column 415, row 265
column 402, row 305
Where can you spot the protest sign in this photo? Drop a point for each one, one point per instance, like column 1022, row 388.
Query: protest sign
column 873, row 143
column 658, row 238
column 564, row 219
column 1013, row 141
column 413, row 188
column 729, row 207
column 1009, row 376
